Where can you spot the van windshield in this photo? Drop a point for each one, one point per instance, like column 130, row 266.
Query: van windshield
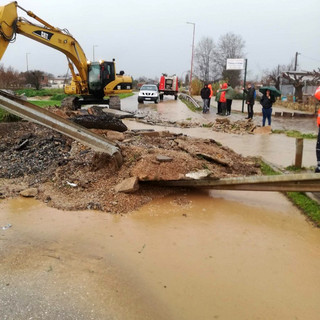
column 150, row 88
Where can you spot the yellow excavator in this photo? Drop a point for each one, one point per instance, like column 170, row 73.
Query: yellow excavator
column 92, row 81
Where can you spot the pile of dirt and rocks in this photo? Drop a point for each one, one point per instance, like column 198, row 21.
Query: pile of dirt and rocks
column 236, row 127
column 67, row 175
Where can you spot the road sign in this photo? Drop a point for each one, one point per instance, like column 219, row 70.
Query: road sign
column 235, row 64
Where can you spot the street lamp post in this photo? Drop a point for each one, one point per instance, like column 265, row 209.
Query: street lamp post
column 93, row 51
column 27, row 60
column 194, row 30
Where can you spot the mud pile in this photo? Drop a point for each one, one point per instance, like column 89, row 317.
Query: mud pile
column 68, row 175
column 236, row 127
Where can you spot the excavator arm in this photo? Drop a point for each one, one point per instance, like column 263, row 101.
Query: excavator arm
column 61, row 40
column 92, row 81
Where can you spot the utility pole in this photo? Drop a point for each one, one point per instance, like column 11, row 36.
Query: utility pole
column 93, row 51
column 190, row 80
column 244, row 81
column 27, row 60
column 296, row 61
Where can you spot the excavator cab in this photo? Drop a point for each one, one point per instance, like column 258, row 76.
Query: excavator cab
column 100, row 74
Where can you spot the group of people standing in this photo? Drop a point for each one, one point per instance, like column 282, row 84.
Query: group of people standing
column 225, row 95
column 266, row 101
column 224, row 98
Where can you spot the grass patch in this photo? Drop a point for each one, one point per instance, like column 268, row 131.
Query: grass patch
column 310, row 207
column 59, row 96
column 294, row 169
column 39, row 93
column 8, row 117
column 46, row 103
column 296, row 134
column 125, row 95
column 267, row 170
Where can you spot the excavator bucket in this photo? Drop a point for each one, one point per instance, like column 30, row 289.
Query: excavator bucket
column 8, row 15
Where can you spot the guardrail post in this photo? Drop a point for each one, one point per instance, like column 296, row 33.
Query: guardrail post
column 299, row 151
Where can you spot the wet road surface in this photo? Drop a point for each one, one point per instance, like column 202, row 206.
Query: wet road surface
column 200, row 255
column 203, row 255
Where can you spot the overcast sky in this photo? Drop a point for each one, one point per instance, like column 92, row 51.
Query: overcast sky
column 151, row 37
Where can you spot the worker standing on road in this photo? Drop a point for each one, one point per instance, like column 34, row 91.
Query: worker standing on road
column 223, row 100
column 318, row 144
column 229, row 96
column 317, row 95
column 250, row 99
column 211, row 94
column 266, row 101
column 205, row 95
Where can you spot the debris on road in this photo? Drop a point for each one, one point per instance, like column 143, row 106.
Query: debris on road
column 68, row 175
column 7, row 226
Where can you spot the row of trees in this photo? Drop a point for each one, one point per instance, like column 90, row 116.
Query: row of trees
column 10, row 78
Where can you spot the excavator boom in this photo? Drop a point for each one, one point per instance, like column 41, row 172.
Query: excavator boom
column 63, row 41
column 8, row 16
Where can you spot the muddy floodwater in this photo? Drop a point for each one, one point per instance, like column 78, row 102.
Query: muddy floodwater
column 203, row 255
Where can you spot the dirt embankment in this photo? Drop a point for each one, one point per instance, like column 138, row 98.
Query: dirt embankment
column 68, row 175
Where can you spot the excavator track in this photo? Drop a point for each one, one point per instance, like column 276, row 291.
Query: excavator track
column 30, row 112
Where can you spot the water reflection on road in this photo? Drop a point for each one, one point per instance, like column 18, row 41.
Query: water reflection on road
column 203, row 255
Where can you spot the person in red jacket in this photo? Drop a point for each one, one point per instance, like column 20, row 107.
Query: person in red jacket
column 317, row 95
column 211, row 93
column 318, row 144
column 223, row 100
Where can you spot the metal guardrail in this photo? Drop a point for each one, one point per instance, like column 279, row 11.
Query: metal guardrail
column 33, row 113
column 306, row 182
column 190, row 99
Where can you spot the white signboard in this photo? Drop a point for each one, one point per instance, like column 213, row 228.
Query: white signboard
column 235, row 64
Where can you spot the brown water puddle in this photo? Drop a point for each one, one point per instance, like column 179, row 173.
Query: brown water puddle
column 205, row 255
column 275, row 148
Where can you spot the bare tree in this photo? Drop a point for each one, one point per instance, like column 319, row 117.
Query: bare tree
column 273, row 76
column 9, row 78
column 301, row 78
column 230, row 46
column 205, row 59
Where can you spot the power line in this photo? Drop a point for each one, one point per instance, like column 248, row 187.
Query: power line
column 310, row 58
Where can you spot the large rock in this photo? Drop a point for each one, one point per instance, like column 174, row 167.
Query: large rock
column 29, row 193
column 262, row 130
column 128, row 185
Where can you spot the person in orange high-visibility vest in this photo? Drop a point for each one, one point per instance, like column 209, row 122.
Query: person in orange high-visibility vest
column 317, row 95
column 318, row 144
column 211, row 93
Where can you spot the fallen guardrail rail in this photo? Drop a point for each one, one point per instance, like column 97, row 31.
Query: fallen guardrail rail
column 30, row 112
column 305, row 182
